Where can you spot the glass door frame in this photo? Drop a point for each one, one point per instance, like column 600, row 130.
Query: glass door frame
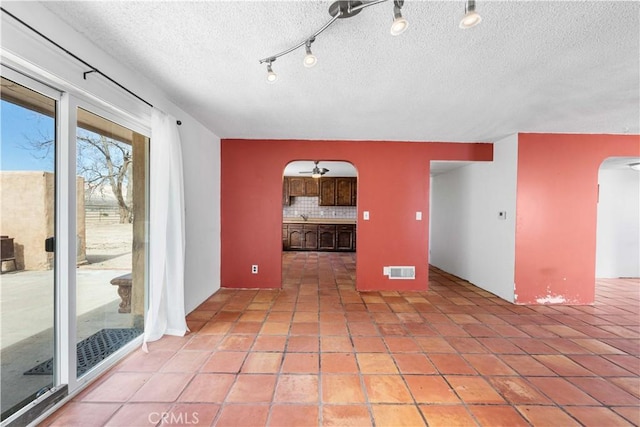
column 68, row 99
column 71, row 104
column 75, row 103
column 58, row 388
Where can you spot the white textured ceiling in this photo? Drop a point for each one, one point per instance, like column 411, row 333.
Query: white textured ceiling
column 529, row 66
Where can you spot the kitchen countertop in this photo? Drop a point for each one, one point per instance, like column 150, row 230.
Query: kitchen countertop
column 318, row 221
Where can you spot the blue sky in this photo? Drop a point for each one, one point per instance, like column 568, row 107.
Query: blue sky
column 18, row 125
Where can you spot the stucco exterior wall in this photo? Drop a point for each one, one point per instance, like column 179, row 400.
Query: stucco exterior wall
column 27, row 214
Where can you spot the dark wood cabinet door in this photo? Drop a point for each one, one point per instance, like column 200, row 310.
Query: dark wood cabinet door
column 285, row 237
column 311, row 237
column 343, row 191
column 296, row 186
column 354, row 192
column 327, row 237
column 311, row 188
column 327, row 192
column 296, row 237
column 345, row 238
column 286, row 200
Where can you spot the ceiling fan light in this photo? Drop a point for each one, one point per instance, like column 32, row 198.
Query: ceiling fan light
column 471, row 19
column 316, row 175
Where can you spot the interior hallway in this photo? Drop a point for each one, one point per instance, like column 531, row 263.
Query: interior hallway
column 319, row 353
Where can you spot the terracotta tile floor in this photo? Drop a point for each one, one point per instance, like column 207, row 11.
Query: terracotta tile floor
column 319, row 353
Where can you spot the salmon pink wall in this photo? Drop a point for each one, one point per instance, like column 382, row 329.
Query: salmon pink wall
column 556, row 207
column 393, row 183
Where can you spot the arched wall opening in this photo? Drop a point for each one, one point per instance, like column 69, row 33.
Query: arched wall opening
column 319, row 220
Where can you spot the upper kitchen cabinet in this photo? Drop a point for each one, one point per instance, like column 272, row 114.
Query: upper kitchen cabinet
column 303, row 186
column 327, row 192
column 344, row 191
column 296, row 186
column 311, row 187
column 338, row 191
column 286, row 199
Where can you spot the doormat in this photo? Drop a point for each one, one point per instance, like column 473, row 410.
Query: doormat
column 91, row 351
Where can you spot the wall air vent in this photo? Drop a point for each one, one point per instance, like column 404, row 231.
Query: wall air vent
column 400, row 272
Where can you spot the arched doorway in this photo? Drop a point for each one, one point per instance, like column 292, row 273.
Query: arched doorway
column 319, row 223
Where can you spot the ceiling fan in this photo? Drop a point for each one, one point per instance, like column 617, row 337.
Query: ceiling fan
column 316, row 172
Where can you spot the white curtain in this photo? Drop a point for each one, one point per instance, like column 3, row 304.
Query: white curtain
column 166, row 313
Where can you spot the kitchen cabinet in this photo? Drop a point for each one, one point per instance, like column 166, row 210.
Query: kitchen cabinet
column 327, row 195
column 300, row 237
column 346, row 238
column 344, row 191
column 310, row 237
column 296, row 186
column 285, row 237
column 295, row 236
column 303, row 186
column 338, row 191
column 319, row 237
column 326, row 237
column 311, row 187
column 286, row 199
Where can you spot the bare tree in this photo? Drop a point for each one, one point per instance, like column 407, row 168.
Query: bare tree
column 102, row 162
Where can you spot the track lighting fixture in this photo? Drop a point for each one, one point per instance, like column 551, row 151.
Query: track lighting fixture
column 310, row 59
column 343, row 9
column 399, row 24
column 471, row 18
column 271, row 76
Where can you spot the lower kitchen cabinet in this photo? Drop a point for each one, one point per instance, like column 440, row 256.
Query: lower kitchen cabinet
column 310, row 237
column 319, row 237
column 295, row 237
column 346, row 238
column 326, row 237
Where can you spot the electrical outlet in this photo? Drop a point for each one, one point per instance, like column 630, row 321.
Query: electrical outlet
column 254, row 269
column 502, row 215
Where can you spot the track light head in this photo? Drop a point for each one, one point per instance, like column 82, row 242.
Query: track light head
column 471, row 17
column 399, row 24
column 271, row 76
column 310, row 59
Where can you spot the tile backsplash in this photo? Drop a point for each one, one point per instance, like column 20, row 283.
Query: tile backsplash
column 309, row 206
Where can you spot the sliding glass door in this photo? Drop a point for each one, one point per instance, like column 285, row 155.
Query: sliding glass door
column 27, row 229
column 73, row 227
column 111, row 237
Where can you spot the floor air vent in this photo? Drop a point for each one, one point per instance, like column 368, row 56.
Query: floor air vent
column 397, row 272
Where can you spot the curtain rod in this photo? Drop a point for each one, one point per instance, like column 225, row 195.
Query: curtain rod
column 77, row 58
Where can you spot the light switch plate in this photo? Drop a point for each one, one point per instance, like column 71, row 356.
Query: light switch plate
column 365, row 215
column 418, row 216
